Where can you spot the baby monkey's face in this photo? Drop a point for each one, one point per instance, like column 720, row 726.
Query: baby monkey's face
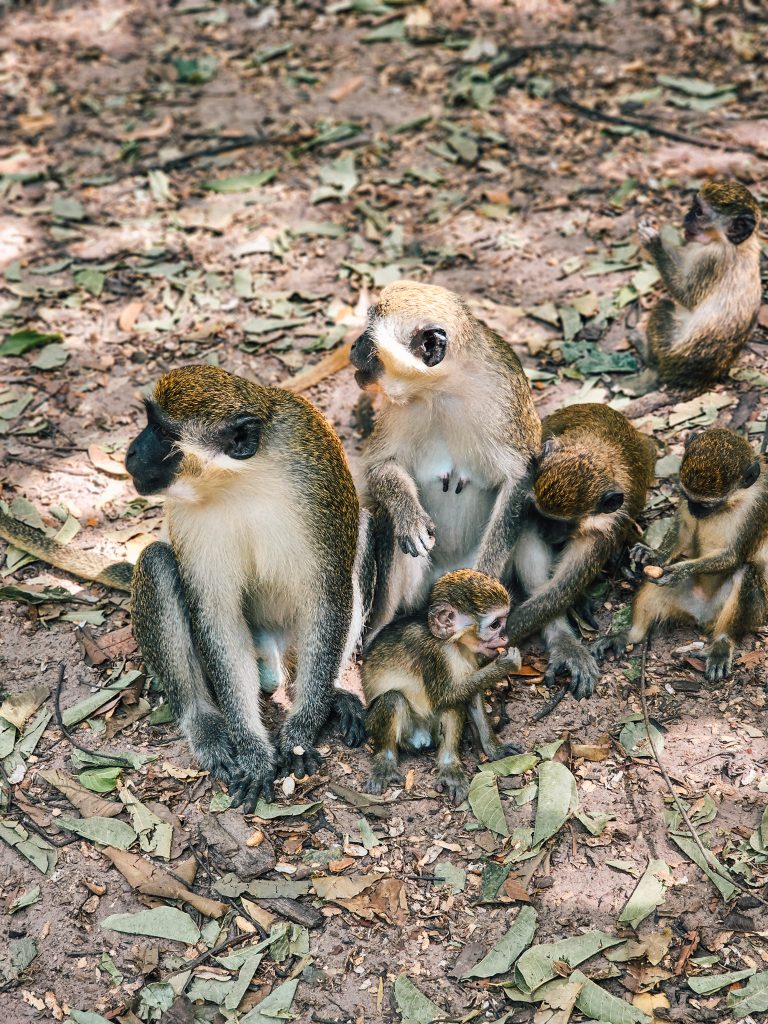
column 488, row 636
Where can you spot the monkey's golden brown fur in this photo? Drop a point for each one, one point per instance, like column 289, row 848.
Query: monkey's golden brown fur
column 713, row 280
column 721, row 533
column 593, row 476
column 422, row 679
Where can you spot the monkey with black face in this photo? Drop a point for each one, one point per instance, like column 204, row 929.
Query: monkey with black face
column 268, row 550
column 721, row 532
column 591, row 483
column 448, row 462
column 424, row 675
column 713, row 281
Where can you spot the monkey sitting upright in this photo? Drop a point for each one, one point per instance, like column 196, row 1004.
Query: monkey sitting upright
column 721, row 531
column 268, row 550
column 448, row 463
column 422, row 678
column 713, row 281
column 592, row 480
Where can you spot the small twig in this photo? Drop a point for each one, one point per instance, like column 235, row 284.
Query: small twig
column 116, row 758
column 764, row 444
column 550, row 706
column 709, row 857
column 563, row 97
column 227, row 944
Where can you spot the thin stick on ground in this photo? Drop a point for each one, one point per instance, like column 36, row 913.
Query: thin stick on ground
column 709, row 857
column 550, row 706
column 116, row 759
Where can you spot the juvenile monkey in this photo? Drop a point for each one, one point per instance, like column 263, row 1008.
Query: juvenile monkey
column 448, row 462
column 713, row 281
column 591, row 483
column 267, row 550
column 422, row 678
column 721, row 533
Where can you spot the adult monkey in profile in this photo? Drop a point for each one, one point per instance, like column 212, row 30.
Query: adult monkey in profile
column 267, row 549
column 450, row 458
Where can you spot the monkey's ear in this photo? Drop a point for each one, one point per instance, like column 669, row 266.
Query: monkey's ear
column 445, row 622
column 610, row 501
column 751, row 474
column 691, row 437
column 741, row 227
column 550, row 446
column 241, row 437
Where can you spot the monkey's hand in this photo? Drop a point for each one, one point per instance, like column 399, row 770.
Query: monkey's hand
column 452, row 780
column 415, row 532
column 213, row 747
column 255, row 778
column 505, row 750
column 641, row 555
column 350, row 715
column 614, row 644
column 647, row 232
column 510, row 661
column 568, row 655
column 384, row 773
column 296, row 753
column 674, row 575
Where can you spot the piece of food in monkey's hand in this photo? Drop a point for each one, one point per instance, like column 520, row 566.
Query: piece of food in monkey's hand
column 654, row 572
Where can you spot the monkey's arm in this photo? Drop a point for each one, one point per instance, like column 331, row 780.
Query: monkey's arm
column 686, row 285
column 485, row 677
column 504, row 526
column 576, row 571
column 727, row 560
column 670, row 547
column 395, row 490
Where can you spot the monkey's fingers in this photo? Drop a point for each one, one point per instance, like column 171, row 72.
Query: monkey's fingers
column 248, row 791
column 351, row 717
column 407, row 546
column 506, row 750
column 454, row 784
column 641, row 554
column 614, row 644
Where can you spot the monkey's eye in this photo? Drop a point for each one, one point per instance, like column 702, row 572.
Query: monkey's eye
column 429, row 345
column 496, row 624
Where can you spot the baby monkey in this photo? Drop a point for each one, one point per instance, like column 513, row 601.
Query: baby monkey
column 713, row 285
column 721, row 533
column 424, row 675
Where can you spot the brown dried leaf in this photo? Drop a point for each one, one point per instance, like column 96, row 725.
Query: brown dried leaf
column 150, row 879
column 89, row 804
column 106, row 463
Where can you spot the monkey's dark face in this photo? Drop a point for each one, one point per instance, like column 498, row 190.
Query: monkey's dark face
column 159, row 454
column 721, row 212
column 704, row 509
column 556, row 532
column 154, row 456
column 388, row 345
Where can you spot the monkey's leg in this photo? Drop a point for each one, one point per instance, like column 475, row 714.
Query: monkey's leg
column 486, row 738
column 451, row 777
column 322, row 646
column 387, row 721
column 653, row 605
column 744, row 610
column 161, row 626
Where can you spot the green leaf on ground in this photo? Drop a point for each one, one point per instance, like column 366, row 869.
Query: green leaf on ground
column 500, row 958
column 105, row 831
column 515, row 764
column 273, row 1007
column 557, row 798
column 536, row 965
column 648, row 894
column 595, row 1002
column 451, row 875
column 706, row 984
column 752, row 998
column 100, row 780
column 486, row 804
column 634, row 738
column 25, row 900
column 160, row 922
column 412, row 1005
column 240, row 182
column 19, row 342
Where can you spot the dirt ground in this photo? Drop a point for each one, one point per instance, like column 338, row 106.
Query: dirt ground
column 232, row 182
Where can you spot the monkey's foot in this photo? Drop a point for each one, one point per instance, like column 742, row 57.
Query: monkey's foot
column 256, row 777
column 719, row 658
column 212, row 746
column 452, row 780
column 350, row 715
column 614, row 644
column 576, row 661
column 384, row 773
column 296, row 752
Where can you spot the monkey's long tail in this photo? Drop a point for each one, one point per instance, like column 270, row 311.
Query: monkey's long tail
column 79, row 563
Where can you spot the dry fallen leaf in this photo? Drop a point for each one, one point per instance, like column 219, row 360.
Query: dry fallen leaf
column 104, row 462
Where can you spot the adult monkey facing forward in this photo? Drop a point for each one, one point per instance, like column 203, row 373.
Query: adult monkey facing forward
column 449, row 461
column 268, row 549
